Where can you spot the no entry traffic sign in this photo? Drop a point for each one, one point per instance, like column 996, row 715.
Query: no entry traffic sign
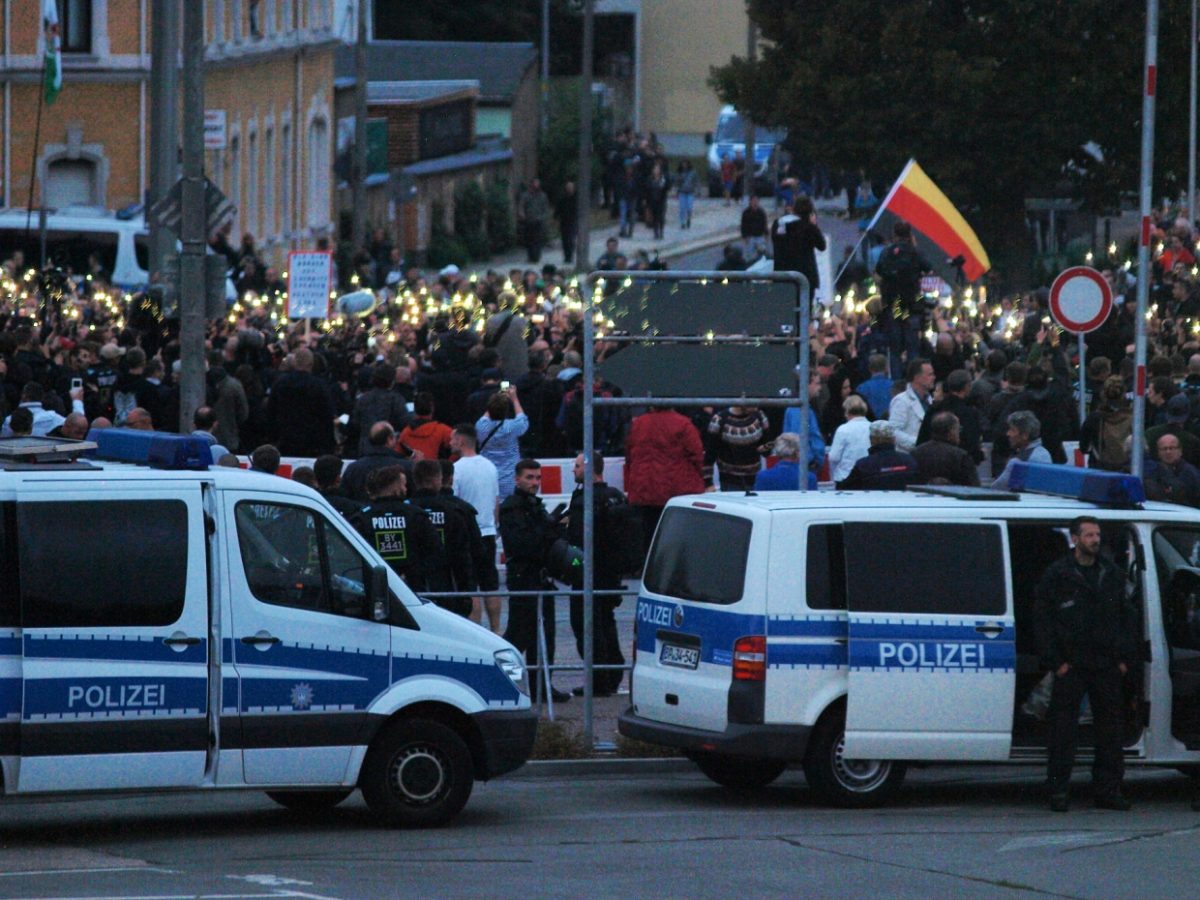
column 1080, row 299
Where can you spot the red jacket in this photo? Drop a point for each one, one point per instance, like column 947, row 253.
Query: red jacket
column 663, row 458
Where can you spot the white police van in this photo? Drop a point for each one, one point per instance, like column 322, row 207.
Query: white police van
column 857, row 632
column 194, row 627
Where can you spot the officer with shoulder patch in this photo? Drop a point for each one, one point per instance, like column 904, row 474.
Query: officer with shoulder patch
column 452, row 529
column 402, row 532
column 606, row 645
column 1086, row 632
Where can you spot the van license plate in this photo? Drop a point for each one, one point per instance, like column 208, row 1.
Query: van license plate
column 681, row 657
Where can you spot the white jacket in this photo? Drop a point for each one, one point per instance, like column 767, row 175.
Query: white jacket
column 851, row 442
column 906, row 414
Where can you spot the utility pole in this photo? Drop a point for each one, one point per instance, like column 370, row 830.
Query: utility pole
column 583, row 261
column 193, row 227
column 358, row 166
column 545, row 86
column 1191, row 202
column 751, row 53
column 1150, row 77
column 164, row 121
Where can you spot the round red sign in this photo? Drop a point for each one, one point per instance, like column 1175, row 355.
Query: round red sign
column 1080, row 299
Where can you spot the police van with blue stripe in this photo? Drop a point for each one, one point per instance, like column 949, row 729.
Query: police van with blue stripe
column 167, row 625
column 855, row 633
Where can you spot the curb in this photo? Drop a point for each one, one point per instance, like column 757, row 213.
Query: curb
column 566, row 768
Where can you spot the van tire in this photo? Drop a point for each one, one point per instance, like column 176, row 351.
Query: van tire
column 309, row 801
column 739, row 772
column 417, row 774
column 836, row 781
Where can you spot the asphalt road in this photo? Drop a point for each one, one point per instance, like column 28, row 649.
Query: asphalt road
column 961, row 832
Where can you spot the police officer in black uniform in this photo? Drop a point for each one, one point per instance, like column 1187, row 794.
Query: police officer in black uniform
column 527, row 531
column 606, row 646
column 402, row 532
column 450, row 523
column 1086, row 632
column 902, row 316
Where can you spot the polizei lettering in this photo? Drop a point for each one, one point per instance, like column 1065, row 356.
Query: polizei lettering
column 115, row 696
column 386, row 523
column 654, row 613
column 931, row 655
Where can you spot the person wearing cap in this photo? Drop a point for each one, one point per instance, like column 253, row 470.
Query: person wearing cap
column 884, row 468
column 1178, row 412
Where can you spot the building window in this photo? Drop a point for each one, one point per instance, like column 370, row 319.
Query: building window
column 75, row 26
column 218, row 21
column 269, row 173
column 252, row 209
column 70, row 182
column 318, row 174
column 285, row 179
column 235, row 181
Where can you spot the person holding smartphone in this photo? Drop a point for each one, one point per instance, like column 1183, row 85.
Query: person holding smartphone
column 500, row 429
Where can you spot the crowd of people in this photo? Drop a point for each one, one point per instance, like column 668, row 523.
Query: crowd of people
column 443, row 369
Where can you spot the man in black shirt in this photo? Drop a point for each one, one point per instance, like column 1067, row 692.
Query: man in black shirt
column 527, row 531
column 1086, row 632
column 453, row 532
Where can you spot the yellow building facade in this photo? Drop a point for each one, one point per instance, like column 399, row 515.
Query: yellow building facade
column 676, row 44
column 269, row 73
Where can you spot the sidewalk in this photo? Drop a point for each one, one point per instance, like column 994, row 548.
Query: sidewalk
column 712, row 223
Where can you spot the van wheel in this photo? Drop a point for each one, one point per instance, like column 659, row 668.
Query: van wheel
column 309, row 801
column 847, row 782
column 417, row 774
column 739, row 772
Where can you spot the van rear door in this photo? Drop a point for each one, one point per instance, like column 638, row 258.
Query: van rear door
column 704, row 589
column 932, row 641
column 114, row 616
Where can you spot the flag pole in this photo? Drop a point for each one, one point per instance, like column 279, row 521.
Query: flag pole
column 37, row 140
column 875, row 218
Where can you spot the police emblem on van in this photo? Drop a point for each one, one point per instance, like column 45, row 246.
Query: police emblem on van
column 677, row 617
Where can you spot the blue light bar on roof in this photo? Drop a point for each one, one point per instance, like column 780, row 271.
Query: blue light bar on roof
column 1091, row 485
column 151, row 448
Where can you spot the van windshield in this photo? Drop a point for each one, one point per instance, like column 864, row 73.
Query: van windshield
column 699, row 556
column 731, row 129
column 68, row 250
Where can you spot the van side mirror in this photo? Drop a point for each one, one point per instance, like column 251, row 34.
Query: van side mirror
column 708, row 138
column 1182, row 610
column 378, row 594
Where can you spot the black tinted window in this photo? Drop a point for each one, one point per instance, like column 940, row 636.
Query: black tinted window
column 102, row 564
column 699, row 556
column 825, row 570
column 917, row 568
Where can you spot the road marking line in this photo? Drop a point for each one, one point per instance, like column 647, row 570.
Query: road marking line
column 89, row 871
column 1057, row 840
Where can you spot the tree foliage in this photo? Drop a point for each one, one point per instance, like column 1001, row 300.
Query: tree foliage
column 995, row 98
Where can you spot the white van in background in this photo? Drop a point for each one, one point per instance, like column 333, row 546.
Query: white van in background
column 74, row 232
column 729, row 139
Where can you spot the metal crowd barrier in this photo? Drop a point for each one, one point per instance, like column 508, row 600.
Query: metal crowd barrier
column 542, row 671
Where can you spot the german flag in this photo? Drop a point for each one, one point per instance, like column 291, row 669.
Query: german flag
column 919, row 202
